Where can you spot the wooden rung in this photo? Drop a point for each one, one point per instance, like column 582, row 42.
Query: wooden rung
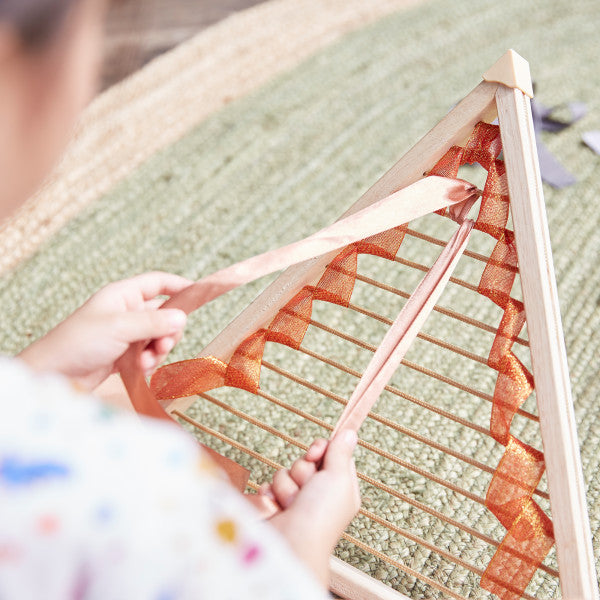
column 367, row 445
column 412, row 365
column 226, row 439
column 424, row 336
column 447, row 555
column 425, row 269
column 469, row 253
column 402, row 567
column 409, row 570
column 444, row 311
column 366, row 478
column 274, row 465
column 253, row 485
column 409, row 432
column 413, row 538
column 389, row 388
column 417, row 540
column 384, row 421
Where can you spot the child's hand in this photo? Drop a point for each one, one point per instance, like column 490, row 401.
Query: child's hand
column 86, row 346
column 316, row 503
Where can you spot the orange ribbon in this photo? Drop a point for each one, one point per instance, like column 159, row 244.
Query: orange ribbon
column 509, row 497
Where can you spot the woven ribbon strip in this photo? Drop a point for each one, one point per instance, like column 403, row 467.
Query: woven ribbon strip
column 288, row 327
column 509, row 497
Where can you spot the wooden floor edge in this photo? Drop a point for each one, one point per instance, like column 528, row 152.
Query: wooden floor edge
column 350, row 583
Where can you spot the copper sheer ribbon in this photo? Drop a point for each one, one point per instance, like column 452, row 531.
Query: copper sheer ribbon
column 530, row 534
column 509, row 497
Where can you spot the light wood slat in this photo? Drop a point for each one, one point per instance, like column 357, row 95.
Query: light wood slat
column 549, row 359
column 348, row 582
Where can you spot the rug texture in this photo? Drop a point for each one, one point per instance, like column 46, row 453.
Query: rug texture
column 277, row 160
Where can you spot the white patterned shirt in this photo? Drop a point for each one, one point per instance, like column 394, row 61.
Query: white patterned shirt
column 98, row 504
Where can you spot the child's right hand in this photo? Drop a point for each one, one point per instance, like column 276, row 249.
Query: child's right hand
column 316, row 503
column 86, row 346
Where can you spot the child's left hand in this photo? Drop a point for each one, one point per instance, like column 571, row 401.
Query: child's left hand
column 87, row 345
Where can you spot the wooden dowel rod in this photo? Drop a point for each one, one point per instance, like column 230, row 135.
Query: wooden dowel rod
column 384, row 421
column 395, row 391
column 226, row 439
column 456, row 349
column 417, row 540
column 405, row 362
column 370, row 480
column 414, row 366
column 409, row 432
column 402, row 567
column 424, row 336
column 413, row 538
column 274, row 465
column 444, row 311
column 469, row 253
column 367, row 445
column 366, row 478
column 391, row 389
column 447, row 555
column 425, row 269
column 253, row 485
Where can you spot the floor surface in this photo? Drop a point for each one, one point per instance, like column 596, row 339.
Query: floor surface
column 139, row 30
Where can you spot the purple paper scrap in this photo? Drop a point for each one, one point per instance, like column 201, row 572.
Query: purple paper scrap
column 592, row 140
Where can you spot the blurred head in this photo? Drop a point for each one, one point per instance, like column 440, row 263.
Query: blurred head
column 49, row 61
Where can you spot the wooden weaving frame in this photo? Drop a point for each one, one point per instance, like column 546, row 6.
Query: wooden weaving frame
column 504, row 94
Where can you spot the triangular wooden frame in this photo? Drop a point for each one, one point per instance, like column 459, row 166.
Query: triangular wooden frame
column 504, row 94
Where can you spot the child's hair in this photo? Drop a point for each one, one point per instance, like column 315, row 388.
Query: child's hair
column 36, row 21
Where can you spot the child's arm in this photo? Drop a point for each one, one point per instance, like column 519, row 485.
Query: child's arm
column 315, row 504
column 87, row 345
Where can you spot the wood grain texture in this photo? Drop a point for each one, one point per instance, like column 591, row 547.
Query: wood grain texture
column 348, row 582
column 549, row 359
column 452, row 129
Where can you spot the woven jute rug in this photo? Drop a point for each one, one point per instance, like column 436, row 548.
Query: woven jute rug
column 266, row 127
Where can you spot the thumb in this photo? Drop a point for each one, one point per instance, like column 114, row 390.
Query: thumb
column 149, row 324
column 339, row 451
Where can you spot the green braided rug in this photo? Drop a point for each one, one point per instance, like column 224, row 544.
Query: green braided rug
column 280, row 163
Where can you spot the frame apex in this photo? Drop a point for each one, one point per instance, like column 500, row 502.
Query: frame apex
column 511, row 70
